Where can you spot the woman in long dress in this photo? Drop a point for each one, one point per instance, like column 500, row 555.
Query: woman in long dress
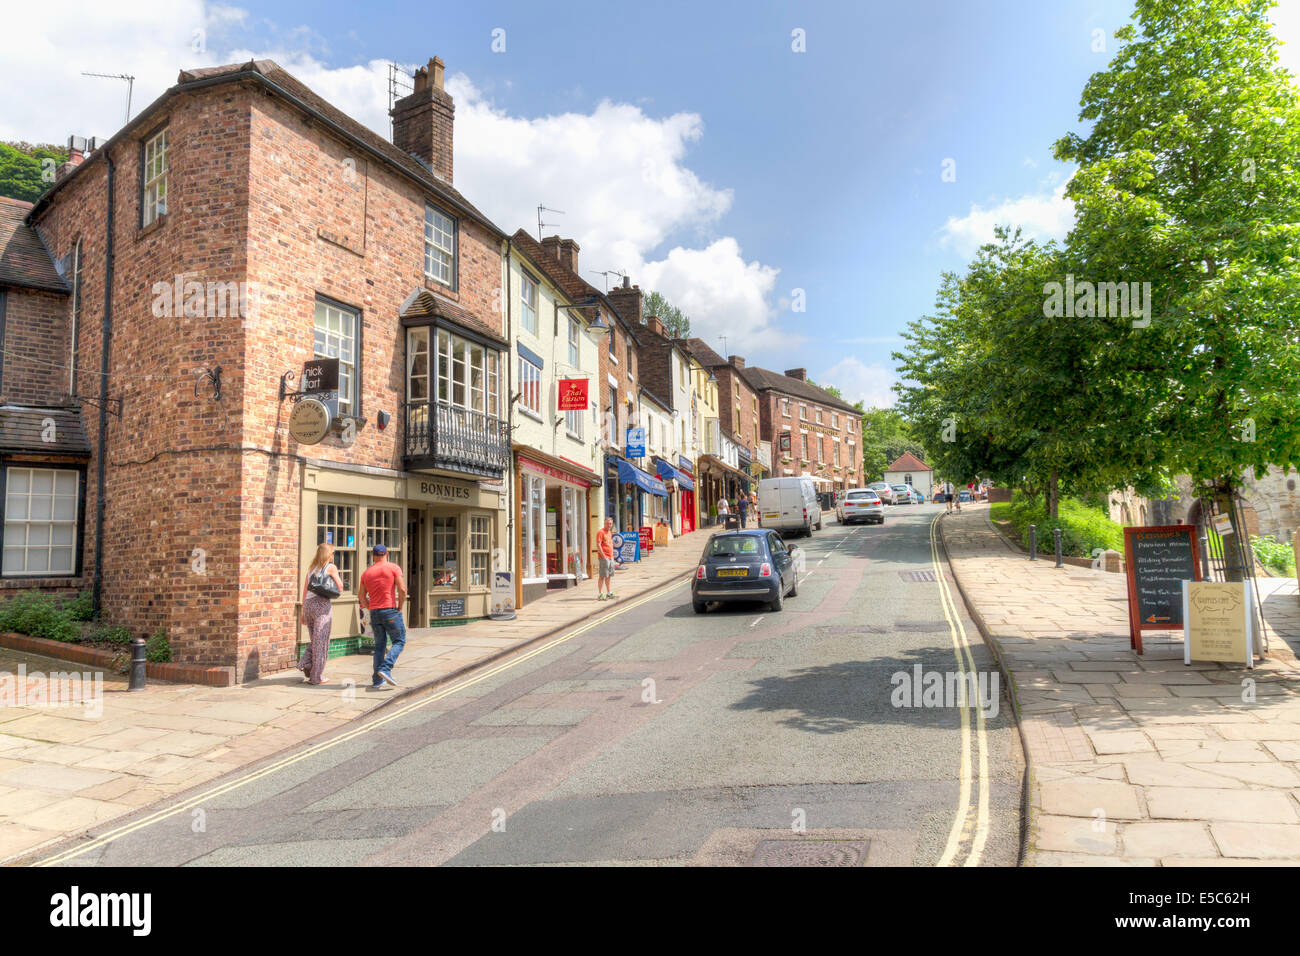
column 318, row 616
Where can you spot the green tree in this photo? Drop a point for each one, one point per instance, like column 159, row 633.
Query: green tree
column 26, row 170
column 677, row 324
column 1187, row 180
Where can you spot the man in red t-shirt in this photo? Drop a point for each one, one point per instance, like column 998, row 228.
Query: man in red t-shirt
column 383, row 592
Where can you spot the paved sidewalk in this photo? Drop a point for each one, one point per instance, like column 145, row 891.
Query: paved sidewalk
column 1136, row 760
column 63, row 769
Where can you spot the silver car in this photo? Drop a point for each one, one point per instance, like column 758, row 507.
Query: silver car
column 860, row 504
column 902, row 494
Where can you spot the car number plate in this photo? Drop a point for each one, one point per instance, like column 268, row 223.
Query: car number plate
column 733, row 572
column 772, row 515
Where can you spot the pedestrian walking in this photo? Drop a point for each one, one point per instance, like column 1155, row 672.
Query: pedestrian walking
column 321, row 585
column 742, row 508
column 605, row 558
column 383, row 592
column 723, row 509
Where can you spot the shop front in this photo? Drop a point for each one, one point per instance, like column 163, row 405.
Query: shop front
column 557, row 523
column 442, row 531
column 720, row 480
column 628, row 486
column 681, row 498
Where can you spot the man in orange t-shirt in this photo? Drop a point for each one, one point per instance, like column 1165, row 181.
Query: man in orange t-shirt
column 605, row 554
column 383, row 592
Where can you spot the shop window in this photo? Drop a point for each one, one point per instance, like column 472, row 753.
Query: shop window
column 383, row 526
column 530, row 386
column 336, row 337
column 336, row 524
column 480, row 539
column 439, row 246
column 534, row 532
column 443, row 565
column 153, row 201
column 40, row 530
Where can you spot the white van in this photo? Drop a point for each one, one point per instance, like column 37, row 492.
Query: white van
column 789, row 505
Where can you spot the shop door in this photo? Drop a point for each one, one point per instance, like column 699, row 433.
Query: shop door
column 417, row 612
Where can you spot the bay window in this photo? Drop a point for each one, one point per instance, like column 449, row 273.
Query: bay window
column 40, row 523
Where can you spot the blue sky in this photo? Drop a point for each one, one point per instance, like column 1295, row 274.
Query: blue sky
column 687, row 142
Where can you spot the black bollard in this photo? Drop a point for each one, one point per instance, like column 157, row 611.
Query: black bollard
column 137, row 665
column 1033, row 542
column 1056, row 534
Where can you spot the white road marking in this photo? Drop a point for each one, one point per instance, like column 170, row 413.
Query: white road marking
column 755, row 621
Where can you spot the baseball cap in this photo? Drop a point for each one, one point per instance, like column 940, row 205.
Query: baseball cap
column 380, row 549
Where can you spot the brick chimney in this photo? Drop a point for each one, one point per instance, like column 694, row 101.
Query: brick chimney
column 78, row 148
column 627, row 301
column 655, row 326
column 800, row 373
column 736, row 361
column 422, row 122
column 565, row 251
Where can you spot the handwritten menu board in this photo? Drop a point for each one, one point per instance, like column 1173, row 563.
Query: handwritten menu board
column 1158, row 560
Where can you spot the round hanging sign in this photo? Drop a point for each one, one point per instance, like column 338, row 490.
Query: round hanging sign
column 310, row 421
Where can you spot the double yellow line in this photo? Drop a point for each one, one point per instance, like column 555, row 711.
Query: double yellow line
column 396, row 712
column 963, row 827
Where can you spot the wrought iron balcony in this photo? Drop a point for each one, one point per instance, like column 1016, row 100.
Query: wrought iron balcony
column 439, row 435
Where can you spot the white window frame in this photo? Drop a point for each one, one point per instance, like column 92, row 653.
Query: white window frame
column 530, row 387
column 529, row 298
column 330, row 341
column 575, row 332
column 153, row 176
column 52, row 515
column 439, row 246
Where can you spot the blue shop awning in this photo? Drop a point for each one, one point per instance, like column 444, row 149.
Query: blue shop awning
column 632, row 475
column 668, row 471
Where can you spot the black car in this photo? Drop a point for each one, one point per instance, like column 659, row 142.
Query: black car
column 753, row 565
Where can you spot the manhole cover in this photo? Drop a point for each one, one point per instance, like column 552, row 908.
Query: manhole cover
column 810, row 853
column 916, row 575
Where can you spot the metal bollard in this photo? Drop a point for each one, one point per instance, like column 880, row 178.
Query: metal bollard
column 137, row 665
column 1033, row 542
column 1056, row 534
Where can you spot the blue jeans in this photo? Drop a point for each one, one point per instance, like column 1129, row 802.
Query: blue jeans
column 388, row 625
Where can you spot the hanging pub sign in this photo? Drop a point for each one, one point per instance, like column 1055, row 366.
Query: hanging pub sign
column 320, row 380
column 1218, row 625
column 785, row 441
column 310, row 421
column 573, row 394
column 1157, row 560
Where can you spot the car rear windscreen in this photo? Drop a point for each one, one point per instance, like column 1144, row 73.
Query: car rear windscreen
column 733, row 544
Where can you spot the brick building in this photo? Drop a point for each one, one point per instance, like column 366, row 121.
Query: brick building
column 811, row 431
column 242, row 226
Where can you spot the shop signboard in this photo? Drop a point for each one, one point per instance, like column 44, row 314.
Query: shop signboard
column 573, row 394
column 451, row 607
column 627, row 547
column 636, row 443
column 1217, row 623
column 1157, row 560
column 503, row 596
column 310, row 421
column 647, row 536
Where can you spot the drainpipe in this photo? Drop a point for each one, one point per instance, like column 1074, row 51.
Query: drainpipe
column 105, row 343
column 512, row 489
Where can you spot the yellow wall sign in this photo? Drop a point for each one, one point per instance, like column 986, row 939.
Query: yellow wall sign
column 1217, row 623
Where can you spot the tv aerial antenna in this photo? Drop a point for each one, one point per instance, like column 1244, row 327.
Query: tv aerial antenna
column 541, row 225
column 130, row 86
column 607, row 273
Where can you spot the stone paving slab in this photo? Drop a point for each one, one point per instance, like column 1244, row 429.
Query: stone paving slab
column 64, row 769
column 1136, row 759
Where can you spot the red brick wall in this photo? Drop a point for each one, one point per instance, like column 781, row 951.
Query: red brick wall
column 35, row 348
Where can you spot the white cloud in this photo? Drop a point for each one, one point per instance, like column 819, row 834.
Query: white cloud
column 857, row 381
column 619, row 174
column 1039, row 215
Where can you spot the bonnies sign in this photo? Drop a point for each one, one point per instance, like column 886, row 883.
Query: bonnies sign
column 573, row 394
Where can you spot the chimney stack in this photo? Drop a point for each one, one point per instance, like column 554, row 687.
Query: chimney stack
column 565, row 251
column 79, row 147
column 736, row 361
column 800, row 373
column 627, row 302
column 655, row 325
column 423, row 121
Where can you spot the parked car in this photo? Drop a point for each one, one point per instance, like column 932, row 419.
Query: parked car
column 940, row 497
column 750, row 565
column 902, row 494
column 964, row 495
column 860, row 504
column 917, row 497
column 884, row 490
column 789, row 505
